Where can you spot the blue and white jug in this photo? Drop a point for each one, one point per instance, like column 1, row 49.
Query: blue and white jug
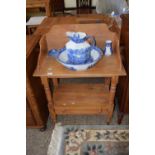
column 78, row 47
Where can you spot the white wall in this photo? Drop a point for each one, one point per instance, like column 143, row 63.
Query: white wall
column 72, row 3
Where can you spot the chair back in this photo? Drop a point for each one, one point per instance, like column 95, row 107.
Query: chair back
column 57, row 7
column 84, row 6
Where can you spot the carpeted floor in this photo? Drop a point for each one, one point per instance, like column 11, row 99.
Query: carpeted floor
column 89, row 140
column 37, row 142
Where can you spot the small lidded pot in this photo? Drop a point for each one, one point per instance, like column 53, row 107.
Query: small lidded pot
column 78, row 47
column 108, row 48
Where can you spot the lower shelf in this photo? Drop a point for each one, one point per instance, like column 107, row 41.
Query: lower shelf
column 81, row 99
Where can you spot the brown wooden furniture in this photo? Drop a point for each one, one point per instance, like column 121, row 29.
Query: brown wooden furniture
column 33, row 23
column 40, row 4
column 35, row 3
column 36, row 103
column 57, row 7
column 30, row 4
column 123, row 84
column 80, row 19
column 84, row 6
column 79, row 99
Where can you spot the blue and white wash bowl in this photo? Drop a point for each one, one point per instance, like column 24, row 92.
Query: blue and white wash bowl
column 63, row 58
column 78, row 53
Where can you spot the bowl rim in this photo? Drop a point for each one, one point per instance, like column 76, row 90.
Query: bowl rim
column 68, row 63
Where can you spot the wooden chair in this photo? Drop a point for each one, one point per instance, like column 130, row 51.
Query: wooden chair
column 84, row 6
column 123, row 83
column 35, row 21
column 57, row 7
column 36, row 103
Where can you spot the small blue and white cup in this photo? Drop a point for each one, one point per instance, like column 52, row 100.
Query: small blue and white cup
column 108, row 48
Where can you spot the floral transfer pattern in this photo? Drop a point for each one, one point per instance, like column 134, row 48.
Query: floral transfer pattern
column 96, row 142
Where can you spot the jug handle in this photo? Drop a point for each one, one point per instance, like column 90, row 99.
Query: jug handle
column 53, row 53
column 93, row 40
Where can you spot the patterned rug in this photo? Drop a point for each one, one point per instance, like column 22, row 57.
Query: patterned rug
column 89, row 140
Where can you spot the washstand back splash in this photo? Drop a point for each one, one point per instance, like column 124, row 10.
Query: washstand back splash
column 59, row 39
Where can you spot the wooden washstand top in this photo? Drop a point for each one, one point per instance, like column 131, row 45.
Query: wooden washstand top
column 55, row 38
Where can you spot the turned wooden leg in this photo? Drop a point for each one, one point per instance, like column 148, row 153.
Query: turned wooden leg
column 43, row 128
column 55, row 82
column 29, row 30
column 107, row 82
column 48, row 8
column 120, row 117
column 45, row 82
column 114, row 81
column 110, row 114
